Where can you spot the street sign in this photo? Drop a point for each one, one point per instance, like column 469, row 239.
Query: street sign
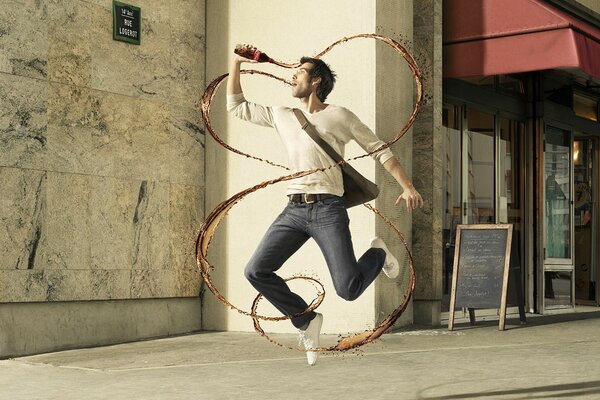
column 126, row 22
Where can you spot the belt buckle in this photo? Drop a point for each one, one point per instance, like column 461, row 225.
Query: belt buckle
column 309, row 196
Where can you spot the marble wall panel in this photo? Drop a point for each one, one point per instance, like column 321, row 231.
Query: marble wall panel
column 187, row 60
column 142, row 71
column 150, row 154
column 165, row 283
column 153, row 283
column 107, row 134
column 63, row 285
column 186, row 212
column 188, row 282
column 88, row 151
column 23, row 121
column 108, row 284
column 151, row 227
column 22, row 211
column 89, row 133
column 67, row 237
column 112, row 208
column 23, row 38
column 22, row 286
column 70, row 41
column 189, row 16
column 187, row 136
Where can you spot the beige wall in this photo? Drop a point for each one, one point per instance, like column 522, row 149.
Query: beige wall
column 101, row 152
column 286, row 31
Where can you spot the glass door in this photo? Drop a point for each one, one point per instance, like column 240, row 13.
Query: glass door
column 585, row 216
column 479, row 159
column 468, row 180
column 511, row 177
column 481, row 182
column 452, row 122
column 557, row 220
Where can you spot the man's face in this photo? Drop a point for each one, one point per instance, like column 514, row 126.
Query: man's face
column 302, row 82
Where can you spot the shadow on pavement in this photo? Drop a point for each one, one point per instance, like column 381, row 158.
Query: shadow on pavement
column 569, row 391
column 532, row 320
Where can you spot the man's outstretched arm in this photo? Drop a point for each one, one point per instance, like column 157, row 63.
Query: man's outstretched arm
column 410, row 195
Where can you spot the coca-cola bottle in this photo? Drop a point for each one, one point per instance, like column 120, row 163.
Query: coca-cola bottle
column 251, row 52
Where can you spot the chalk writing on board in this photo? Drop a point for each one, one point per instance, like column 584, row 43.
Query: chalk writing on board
column 482, row 260
column 480, row 268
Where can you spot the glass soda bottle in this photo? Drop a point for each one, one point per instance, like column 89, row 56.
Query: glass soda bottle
column 251, row 52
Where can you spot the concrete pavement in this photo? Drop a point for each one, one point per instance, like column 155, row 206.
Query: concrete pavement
column 550, row 357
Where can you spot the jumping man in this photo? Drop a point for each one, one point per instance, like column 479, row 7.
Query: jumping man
column 316, row 207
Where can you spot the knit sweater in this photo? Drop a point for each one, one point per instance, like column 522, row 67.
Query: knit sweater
column 336, row 125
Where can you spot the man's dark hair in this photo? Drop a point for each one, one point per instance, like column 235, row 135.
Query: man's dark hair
column 321, row 70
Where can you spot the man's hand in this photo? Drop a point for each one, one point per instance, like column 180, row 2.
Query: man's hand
column 412, row 197
column 237, row 59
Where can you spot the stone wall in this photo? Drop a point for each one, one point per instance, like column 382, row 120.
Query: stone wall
column 427, row 164
column 101, row 151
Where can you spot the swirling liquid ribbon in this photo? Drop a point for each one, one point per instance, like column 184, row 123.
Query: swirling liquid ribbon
column 211, row 223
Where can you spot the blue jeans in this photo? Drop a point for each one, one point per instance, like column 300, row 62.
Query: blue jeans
column 326, row 222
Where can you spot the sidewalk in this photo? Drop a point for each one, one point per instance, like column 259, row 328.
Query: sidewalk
column 550, row 357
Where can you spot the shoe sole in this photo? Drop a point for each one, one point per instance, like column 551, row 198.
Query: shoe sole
column 319, row 329
column 318, row 344
column 395, row 271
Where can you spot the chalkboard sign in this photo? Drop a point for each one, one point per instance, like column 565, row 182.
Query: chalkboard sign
column 481, row 269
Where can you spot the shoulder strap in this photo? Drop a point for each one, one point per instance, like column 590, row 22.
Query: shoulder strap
column 314, row 135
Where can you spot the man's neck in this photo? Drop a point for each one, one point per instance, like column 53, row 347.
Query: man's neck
column 312, row 104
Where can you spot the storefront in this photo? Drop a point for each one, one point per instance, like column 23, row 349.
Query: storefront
column 521, row 141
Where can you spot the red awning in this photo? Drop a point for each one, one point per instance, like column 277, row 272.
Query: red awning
column 490, row 37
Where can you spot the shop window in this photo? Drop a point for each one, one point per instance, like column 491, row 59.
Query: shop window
column 585, row 106
column 557, row 193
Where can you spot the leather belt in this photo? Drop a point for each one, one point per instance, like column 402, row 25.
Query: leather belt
column 309, row 198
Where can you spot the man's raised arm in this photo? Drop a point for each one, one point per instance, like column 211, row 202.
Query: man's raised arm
column 237, row 103
column 233, row 82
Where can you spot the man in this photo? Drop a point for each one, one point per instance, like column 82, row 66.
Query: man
column 316, row 208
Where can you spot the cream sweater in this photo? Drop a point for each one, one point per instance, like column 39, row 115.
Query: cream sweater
column 336, row 125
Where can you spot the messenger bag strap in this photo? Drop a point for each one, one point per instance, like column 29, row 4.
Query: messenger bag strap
column 312, row 132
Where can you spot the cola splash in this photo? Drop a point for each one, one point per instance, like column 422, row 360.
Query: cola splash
column 213, row 220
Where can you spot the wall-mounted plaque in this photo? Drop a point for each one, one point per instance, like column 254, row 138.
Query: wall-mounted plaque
column 127, row 22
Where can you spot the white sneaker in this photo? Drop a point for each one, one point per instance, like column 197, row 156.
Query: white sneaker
column 391, row 267
column 309, row 338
